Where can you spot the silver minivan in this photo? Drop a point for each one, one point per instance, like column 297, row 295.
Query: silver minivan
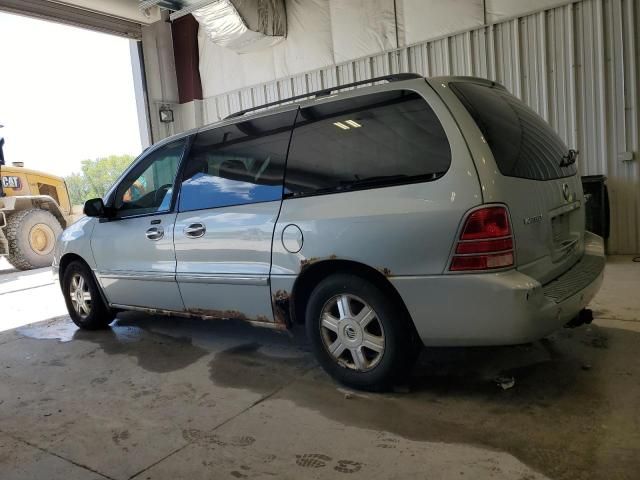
column 436, row 212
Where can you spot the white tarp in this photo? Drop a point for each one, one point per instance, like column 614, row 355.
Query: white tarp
column 242, row 25
column 498, row 10
column 321, row 33
column 429, row 19
column 308, row 46
column 309, row 43
column 362, row 27
column 223, row 70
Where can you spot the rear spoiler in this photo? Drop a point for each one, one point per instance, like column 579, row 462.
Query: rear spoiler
column 481, row 81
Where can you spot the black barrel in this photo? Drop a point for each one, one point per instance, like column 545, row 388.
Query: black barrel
column 596, row 204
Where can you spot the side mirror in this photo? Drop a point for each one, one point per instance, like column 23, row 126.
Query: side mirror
column 94, row 208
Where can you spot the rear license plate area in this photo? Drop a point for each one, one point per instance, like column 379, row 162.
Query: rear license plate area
column 561, row 229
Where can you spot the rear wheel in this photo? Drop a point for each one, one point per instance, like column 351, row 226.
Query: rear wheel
column 82, row 296
column 358, row 334
column 32, row 237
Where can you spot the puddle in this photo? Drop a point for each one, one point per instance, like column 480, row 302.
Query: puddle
column 58, row 328
column 566, row 416
column 152, row 351
column 247, row 366
column 571, row 413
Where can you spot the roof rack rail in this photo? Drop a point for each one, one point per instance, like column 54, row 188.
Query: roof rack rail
column 396, row 77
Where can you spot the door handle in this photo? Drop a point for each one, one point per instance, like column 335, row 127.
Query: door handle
column 155, row 233
column 195, row 230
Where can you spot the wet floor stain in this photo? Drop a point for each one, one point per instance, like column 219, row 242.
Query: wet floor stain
column 246, row 366
column 563, row 420
column 211, row 439
column 58, row 328
column 153, row 351
column 568, row 415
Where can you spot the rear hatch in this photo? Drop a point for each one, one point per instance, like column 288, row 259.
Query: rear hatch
column 536, row 178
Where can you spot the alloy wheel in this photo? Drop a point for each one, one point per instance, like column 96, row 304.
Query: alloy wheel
column 352, row 332
column 80, row 295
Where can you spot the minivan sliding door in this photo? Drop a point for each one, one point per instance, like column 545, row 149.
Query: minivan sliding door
column 229, row 203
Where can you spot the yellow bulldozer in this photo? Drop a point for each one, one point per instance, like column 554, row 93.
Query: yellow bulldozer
column 34, row 209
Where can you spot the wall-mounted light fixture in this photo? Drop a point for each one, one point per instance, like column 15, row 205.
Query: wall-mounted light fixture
column 166, row 114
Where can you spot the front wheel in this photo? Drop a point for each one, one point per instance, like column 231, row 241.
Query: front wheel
column 358, row 334
column 84, row 302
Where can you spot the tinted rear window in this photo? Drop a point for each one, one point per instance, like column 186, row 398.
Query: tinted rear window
column 523, row 144
column 368, row 141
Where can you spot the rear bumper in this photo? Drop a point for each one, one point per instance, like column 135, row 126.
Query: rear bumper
column 501, row 308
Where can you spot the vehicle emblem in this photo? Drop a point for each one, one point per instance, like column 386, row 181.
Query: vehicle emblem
column 534, row 219
column 11, row 182
column 565, row 192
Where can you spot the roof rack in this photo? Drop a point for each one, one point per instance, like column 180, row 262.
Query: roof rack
column 396, row 77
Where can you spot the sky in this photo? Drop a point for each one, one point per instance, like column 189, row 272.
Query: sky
column 66, row 95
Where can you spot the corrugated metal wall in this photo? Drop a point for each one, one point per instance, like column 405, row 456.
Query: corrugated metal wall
column 576, row 65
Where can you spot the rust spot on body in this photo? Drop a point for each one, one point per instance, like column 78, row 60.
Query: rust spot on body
column 260, row 320
column 385, row 271
column 218, row 314
column 307, row 262
column 280, row 302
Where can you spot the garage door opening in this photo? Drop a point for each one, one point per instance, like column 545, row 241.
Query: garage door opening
column 71, row 101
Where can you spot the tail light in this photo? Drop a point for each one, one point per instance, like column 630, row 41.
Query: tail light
column 486, row 241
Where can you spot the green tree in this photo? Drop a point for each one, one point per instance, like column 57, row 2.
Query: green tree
column 96, row 177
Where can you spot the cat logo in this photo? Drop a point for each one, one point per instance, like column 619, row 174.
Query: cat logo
column 11, row 182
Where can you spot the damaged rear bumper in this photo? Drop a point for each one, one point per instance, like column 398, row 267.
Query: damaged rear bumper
column 502, row 308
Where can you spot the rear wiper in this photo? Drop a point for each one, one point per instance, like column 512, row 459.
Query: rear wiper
column 570, row 158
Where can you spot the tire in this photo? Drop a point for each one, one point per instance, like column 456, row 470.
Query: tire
column 87, row 309
column 32, row 236
column 387, row 329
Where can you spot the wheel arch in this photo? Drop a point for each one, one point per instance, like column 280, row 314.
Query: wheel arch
column 66, row 259
column 310, row 276
column 70, row 257
column 43, row 202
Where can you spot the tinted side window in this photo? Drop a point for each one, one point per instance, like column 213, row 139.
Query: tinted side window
column 372, row 140
column 522, row 143
column 237, row 164
column 148, row 188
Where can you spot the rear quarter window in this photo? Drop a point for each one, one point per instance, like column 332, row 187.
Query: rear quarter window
column 368, row 141
column 522, row 143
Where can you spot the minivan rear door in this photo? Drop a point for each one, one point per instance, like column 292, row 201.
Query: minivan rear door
column 230, row 197
column 536, row 176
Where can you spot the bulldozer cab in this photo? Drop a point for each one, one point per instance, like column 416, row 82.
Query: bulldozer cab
column 18, row 181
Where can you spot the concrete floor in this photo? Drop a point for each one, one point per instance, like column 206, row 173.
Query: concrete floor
column 161, row 398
